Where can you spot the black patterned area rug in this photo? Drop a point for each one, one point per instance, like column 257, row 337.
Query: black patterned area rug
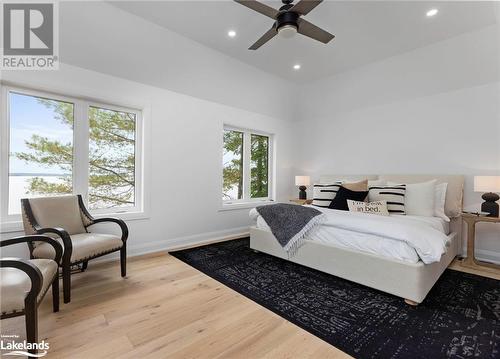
column 460, row 318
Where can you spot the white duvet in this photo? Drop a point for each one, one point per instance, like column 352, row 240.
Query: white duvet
column 407, row 238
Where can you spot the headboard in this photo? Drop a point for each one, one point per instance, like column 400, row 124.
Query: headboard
column 333, row 178
column 454, row 192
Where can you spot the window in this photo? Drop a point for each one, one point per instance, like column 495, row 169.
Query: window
column 111, row 158
column 41, row 148
column 57, row 145
column 246, row 166
column 259, row 166
column 232, row 163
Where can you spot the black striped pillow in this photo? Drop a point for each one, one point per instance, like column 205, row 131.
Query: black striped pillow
column 323, row 194
column 393, row 195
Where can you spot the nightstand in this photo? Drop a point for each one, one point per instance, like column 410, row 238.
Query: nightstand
column 470, row 261
column 301, row 201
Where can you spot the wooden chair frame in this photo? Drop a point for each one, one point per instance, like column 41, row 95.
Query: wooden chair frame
column 33, row 298
column 66, row 263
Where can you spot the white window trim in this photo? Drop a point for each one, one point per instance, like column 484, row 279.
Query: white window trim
column 13, row 223
column 247, row 202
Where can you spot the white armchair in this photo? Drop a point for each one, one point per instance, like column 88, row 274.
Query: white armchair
column 67, row 219
column 24, row 283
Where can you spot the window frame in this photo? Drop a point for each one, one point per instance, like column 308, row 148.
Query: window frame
column 139, row 148
column 81, row 155
column 247, row 201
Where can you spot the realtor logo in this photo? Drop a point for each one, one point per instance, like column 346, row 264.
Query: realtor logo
column 29, row 36
column 11, row 346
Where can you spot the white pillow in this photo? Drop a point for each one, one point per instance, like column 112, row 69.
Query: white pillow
column 439, row 201
column 378, row 207
column 419, row 199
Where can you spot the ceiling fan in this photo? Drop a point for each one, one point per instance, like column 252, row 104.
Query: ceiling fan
column 288, row 20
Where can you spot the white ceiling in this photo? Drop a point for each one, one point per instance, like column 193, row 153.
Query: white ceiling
column 366, row 31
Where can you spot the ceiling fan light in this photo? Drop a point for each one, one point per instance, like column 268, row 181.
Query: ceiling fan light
column 287, row 31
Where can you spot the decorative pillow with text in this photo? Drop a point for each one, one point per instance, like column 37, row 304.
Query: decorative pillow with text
column 378, row 207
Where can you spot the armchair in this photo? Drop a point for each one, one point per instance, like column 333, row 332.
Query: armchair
column 67, row 219
column 23, row 292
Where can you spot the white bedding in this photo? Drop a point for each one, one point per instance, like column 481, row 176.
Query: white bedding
column 406, row 238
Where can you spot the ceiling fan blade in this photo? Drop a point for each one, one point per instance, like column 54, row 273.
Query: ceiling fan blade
column 314, row 32
column 264, row 38
column 303, row 7
column 260, row 8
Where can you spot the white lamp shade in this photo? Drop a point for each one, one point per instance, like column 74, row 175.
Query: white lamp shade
column 302, row 180
column 486, row 183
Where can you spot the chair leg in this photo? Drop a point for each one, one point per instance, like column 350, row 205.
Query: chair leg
column 31, row 316
column 123, row 260
column 55, row 294
column 85, row 265
column 66, row 282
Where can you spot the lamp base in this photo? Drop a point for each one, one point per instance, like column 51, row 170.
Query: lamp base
column 490, row 205
column 302, row 192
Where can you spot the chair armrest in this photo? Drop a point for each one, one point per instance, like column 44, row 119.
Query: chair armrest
column 68, row 245
column 120, row 222
column 31, row 270
column 36, row 238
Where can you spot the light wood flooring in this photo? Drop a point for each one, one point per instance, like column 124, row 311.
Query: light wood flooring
column 165, row 309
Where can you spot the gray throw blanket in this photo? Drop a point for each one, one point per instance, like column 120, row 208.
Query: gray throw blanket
column 290, row 223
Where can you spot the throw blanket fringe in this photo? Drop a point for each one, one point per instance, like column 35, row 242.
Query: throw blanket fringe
column 298, row 240
column 290, row 223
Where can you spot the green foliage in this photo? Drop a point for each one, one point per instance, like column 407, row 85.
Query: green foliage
column 233, row 169
column 39, row 185
column 111, row 156
column 259, row 166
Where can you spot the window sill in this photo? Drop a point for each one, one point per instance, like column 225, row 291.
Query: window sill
column 17, row 225
column 244, row 205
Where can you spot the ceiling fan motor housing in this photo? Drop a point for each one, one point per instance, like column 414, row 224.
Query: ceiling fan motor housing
column 285, row 18
column 288, row 21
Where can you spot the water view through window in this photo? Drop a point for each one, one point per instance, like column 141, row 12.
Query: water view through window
column 41, row 148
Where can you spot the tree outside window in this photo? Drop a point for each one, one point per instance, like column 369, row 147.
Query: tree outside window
column 245, row 165
column 47, row 157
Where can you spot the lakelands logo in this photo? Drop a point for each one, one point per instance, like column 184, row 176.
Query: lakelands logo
column 9, row 343
column 30, row 36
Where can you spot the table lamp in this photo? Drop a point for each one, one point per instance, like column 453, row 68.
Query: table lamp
column 488, row 184
column 302, row 182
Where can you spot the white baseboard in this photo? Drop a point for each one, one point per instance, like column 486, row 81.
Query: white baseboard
column 171, row 244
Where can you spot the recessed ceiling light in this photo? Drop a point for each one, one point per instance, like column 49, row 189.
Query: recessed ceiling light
column 296, row 67
column 432, row 12
column 231, row 33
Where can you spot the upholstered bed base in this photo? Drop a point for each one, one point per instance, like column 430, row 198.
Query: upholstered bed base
column 411, row 281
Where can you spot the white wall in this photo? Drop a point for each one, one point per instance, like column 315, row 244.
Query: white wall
column 98, row 36
column 184, row 155
column 432, row 110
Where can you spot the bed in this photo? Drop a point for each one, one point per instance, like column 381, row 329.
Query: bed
column 388, row 266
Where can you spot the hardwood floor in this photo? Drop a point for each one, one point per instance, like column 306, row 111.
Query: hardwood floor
column 486, row 272
column 165, row 308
